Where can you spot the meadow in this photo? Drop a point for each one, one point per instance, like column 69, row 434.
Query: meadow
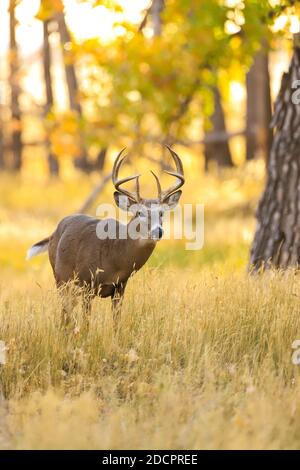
column 203, row 356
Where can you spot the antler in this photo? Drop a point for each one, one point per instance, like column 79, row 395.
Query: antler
column 117, row 183
column 179, row 174
column 162, row 195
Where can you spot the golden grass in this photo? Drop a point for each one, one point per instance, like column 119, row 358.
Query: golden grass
column 202, row 358
column 200, row 361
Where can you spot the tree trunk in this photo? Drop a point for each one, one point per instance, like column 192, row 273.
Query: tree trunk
column 277, row 238
column 217, row 151
column 15, row 91
column 72, row 84
column 156, row 9
column 52, row 160
column 259, row 107
column 99, row 165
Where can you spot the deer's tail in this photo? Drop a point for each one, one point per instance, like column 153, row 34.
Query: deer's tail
column 38, row 248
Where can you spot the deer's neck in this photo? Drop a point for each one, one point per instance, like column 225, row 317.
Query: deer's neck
column 140, row 249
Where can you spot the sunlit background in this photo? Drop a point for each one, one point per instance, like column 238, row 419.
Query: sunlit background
column 86, row 22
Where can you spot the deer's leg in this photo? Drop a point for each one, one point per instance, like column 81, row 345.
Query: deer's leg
column 116, row 302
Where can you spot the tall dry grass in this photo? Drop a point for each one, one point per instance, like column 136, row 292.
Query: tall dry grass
column 200, row 361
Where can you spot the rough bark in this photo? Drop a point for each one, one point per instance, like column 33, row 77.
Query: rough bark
column 217, row 151
column 277, row 237
column 72, row 84
column 16, row 136
column 259, row 107
column 52, row 160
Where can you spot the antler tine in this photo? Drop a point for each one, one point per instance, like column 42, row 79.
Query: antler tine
column 117, row 183
column 179, row 174
column 137, row 186
column 158, row 185
column 116, row 166
column 178, row 162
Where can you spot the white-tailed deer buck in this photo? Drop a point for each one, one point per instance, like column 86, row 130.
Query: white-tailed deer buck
column 102, row 267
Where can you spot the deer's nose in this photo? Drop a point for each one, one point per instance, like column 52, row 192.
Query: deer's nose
column 157, row 233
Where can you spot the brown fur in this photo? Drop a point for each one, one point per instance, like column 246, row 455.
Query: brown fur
column 100, row 267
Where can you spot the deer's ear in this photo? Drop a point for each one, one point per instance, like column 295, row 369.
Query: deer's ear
column 122, row 201
column 172, row 201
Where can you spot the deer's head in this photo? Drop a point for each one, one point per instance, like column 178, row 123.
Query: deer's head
column 148, row 213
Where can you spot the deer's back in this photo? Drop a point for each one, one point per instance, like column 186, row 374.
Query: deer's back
column 74, row 236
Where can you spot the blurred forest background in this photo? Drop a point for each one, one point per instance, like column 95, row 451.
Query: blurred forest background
column 80, row 79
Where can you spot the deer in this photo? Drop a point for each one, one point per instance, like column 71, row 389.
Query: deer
column 102, row 266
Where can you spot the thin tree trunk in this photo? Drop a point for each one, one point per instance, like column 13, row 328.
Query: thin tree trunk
column 72, row 84
column 218, row 152
column 251, row 142
column 100, row 162
column 277, row 237
column 156, row 9
column 15, row 91
column 259, row 107
column 47, row 63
